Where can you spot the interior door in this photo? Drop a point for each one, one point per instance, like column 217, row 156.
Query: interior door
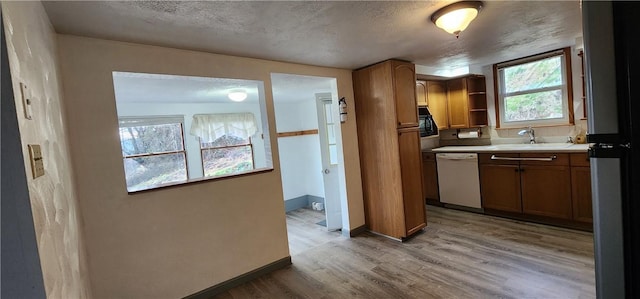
column 327, row 126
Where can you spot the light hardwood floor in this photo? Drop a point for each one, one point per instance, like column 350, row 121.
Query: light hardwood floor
column 459, row 255
column 304, row 232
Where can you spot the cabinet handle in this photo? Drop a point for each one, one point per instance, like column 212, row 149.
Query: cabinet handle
column 548, row 159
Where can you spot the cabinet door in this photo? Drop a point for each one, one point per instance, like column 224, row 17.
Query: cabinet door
column 404, row 87
column 581, row 194
column 457, row 103
column 500, row 187
column 430, row 177
column 546, row 190
column 437, row 100
column 411, row 174
column 421, row 93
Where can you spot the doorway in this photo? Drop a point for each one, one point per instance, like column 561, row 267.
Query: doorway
column 309, row 143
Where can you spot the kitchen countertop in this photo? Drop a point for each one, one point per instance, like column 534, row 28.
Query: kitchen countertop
column 519, row 148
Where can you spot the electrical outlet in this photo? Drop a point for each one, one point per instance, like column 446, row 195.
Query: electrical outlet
column 37, row 165
column 26, row 100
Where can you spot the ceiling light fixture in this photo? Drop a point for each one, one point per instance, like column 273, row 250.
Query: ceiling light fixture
column 237, row 96
column 455, row 18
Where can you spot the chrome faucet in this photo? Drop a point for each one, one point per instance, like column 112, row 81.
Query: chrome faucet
column 532, row 136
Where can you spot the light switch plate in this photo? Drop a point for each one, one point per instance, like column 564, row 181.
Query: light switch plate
column 37, row 165
column 26, row 100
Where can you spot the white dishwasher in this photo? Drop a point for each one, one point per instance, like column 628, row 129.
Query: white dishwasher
column 458, row 179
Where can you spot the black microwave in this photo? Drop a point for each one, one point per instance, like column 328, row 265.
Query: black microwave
column 428, row 127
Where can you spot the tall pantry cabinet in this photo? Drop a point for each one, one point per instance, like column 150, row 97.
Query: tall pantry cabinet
column 389, row 141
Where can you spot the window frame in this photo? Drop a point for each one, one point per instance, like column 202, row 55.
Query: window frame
column 151, row 121
column 202, row 149
column 566, row 87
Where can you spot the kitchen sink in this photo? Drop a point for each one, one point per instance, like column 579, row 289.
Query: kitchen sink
column 527, row 146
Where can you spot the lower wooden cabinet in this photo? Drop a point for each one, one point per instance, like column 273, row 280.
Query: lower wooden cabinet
column 551, row 185
column 430, row 178
column 581, row 188
column 413, row 197
column 500, row 187
column 546, row 191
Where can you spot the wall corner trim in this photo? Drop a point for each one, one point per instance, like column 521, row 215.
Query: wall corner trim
column 238, row 280
column 354, row 232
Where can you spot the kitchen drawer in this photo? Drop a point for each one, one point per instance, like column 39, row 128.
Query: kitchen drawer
column 486, row 158
column 428, row 156
column 579, row 159
column 556, row 159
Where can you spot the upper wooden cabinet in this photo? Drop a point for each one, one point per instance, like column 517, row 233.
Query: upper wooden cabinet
column 404, row 87
column 467, row 102
column 421, row 92
column 437, row 100
column 457, row 103
column 477, row 101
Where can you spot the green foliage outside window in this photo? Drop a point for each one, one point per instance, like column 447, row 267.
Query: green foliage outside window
column 533, row 91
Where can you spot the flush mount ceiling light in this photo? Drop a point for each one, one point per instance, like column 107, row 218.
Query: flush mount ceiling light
column 455, row 18
column 237, row 96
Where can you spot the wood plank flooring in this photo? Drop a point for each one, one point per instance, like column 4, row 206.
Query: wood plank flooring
column 304, row 232
column 458, row 255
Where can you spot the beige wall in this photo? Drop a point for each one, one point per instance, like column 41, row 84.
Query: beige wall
column 31, row 45
column 173, row 242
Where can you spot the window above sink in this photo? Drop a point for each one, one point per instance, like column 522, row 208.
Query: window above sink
column 534, row 90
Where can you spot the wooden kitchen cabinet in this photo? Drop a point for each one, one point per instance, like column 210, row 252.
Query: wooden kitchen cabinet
column 546, row 191
column 413, row 196
column 546, row 185
column 430, row 178
column 500, row 187
column 389, row 142
column 581, row 188
column 421, row 92
column 403, row 80
column 437, row 103
column 500, row 182
column 477, row 101
column 457, row 105
column 467, row 102
column 512, row 183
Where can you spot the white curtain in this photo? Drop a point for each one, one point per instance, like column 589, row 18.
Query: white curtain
column 210, row 127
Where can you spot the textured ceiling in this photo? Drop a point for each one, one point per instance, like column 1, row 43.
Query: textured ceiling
column 348, row 34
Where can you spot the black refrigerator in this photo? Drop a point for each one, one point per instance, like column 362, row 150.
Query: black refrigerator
column 612, row 63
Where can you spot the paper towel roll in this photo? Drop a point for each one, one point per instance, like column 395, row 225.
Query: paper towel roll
column 465, row 135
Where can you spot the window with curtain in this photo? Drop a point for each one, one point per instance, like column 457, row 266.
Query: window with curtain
column 177, row 129
column 225, row 142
